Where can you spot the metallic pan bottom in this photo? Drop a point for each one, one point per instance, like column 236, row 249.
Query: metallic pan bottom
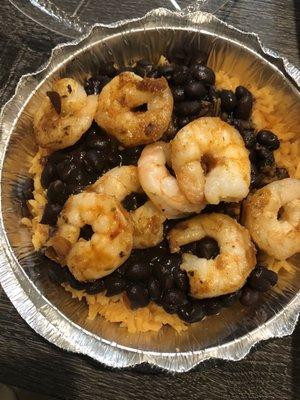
column 48, row 309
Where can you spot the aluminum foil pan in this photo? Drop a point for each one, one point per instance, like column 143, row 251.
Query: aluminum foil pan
column 48, row 309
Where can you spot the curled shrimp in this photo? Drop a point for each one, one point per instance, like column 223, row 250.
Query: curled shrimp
column 110, row 244
column 147, row 219
column 118, row 109
column 277, row 236
column 227, row 272
column 161, row 187
column 211, row 162
column 60, row 122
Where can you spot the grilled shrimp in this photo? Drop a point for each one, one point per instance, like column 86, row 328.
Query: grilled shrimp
column 118, row 109
column 60, row 122
column 147, row 219
column 278, row 237
column 211, row 162
column 161, row 187
column 227, row 272
column 110, row 244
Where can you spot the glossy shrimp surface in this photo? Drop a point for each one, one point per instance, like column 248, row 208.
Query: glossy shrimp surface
column 227, row 272
column 111, row 240
column 211, row 162
column 272, row 216
column 61, row 122
column 147, row 220
column 120, row 110
column 161, row 187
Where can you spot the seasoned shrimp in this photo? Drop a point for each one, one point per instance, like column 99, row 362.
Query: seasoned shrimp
column 118, row 112
column 226, row 273
column 211, row 162
column 161, row 187
column 60, row 122
column 110, row 244
column 278, row 237
column 147, row 219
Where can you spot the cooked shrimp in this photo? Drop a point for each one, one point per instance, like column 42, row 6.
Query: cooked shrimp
column 110, row 244
column 147, row 219
column 118, row 110
column 211, row 162
column 161, row 187
column 227, row 272
column 61, row 122
column 278, row 237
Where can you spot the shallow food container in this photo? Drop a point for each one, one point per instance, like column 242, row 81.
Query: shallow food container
column 48, row 309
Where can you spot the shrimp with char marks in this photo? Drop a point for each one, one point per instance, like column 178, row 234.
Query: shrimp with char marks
column 61, row 122
column 161, row 187
column 147, row 219
column 275, row 232
column 224, row 274
column 110, row 244
column 118, row 110
column 211, row 162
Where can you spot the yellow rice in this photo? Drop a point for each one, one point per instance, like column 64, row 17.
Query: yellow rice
column 153, row 317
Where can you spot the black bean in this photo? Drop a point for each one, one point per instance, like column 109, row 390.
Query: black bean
column 94, row 160
column 195, row 90
column 249, row 139
column 114, row 284
column 73, row 282
column 268, row 139
column 86, row 232
column 186, row 108
column 50, row 214
column 242, row 125
column 258, row 280
column 181, row 75
column 173, row 261
column 164, row 275
column 182, row 121
column 144, row 63
column 57, row 192
column 189, row 248
column 181, row 280
column 57, row 157
column 281, row 173
column 95, row 287
column 229, row 299
column 166, row 70
column 56, row 273
column 153, row 74
column 140, row 271
column 212, row 306
column 255, row 181
column 154, row 290
column 191, row 312
column 134, row 201
column 228, row 100
column 199, row 58
column 67, row 171
column 178, row 93
column 249, row 296
column 138, row 295
column 131, row 155
column 265, row 156
column 95, row 84
column 173, row 299
column 97, row 142
column 207, row 248
column 244, row 107
column 27, row 189
column 203, row 74
column 74, row 188
column 242, row 91
column 48, row 175
column 143, row 68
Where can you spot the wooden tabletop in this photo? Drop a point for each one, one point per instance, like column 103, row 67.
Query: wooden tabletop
column 271, row 371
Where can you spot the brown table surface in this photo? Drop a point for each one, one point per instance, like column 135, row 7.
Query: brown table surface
column 271, row 371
